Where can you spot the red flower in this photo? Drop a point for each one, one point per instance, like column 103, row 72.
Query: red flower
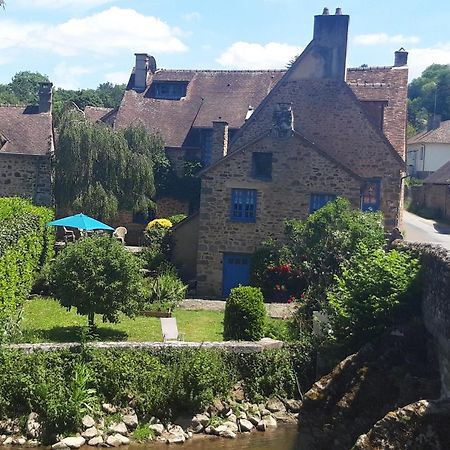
column 291, row 299
column 302, row 295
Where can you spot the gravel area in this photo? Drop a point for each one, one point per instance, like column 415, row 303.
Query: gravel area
column 276, row 310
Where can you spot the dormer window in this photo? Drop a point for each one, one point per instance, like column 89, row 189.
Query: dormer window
column 168, row 90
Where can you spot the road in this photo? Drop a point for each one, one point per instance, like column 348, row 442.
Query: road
column 418, row 229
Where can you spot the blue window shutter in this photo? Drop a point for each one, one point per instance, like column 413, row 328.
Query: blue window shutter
column 243, row 205
column 319, row 200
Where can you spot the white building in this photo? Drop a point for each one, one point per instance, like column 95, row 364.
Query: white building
column 429, row 150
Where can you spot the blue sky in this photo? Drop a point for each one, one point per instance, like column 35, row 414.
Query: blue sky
column 81, row 43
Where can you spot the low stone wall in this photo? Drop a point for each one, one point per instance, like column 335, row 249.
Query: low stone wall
column 231, row 346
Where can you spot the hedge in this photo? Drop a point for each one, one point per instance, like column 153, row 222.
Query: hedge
column 26, row 244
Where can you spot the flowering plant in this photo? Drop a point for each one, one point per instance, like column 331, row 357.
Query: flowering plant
column 283, row 283
column 164, row 223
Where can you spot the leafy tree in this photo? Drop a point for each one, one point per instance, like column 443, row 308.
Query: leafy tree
column 25, row 85
column 110, row 94
column 97, row 275
column 101, row 170
column 375, row 290
column 429, row 94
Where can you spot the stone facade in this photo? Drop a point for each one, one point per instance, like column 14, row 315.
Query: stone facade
column 297, row 171
column 28, row 176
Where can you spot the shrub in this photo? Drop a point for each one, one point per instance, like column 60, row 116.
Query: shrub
column 97, row 275
column 177, row 218
column 245, row 314
column 376, row 290
column 26, row 244
column 165, row 292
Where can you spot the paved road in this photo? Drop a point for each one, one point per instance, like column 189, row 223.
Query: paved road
column 418, row 229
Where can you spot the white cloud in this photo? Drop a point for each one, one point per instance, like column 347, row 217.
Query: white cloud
column 117, row 77
column 59, row 4
column 103, row 33
column 66, row 76
column 247, row 55
column 383, row 38
column 420, row 58
column 192, row 16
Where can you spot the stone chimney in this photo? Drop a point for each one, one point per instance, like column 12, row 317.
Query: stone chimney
column 283, row 119
column 401, row 58
column 330, row 39
column 434, row 122
column 45, row 97
column 144, row 64
column 219, row 144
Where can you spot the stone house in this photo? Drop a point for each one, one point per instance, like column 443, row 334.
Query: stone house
column 430, row 149
column 321, row 132
column 26, row 149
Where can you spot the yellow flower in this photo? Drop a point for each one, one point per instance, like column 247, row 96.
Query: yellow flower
column 164, row 223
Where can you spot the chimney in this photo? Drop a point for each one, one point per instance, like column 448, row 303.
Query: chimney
column 219, row 144
column 434, row 122
column 283, row 119
column 401, row 58
column 330, row 39
column 45, row 97
column 144, row 64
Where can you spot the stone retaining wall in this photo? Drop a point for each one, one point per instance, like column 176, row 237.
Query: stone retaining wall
column 231, row 346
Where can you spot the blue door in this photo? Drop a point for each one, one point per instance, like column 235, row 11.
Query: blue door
column 236, row 271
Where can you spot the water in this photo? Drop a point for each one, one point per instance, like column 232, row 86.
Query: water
column 284, row 438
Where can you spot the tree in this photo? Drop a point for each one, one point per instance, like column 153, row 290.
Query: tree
column 101, row 170
column 25, row 85
column 111, row 94
column 97, row 275
column 429, row 94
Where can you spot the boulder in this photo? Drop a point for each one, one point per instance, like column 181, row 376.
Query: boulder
column 33, row 427
column 197, row 428
column 285, row 417
column 232, row 418
column 88, row 421
column 270, row 421
column 113, row 440
column 130, row 420
column 245, row 425
column 8, row 441
column 108, row 408
column 261, row 426
column 238, row 392
column 74, row 441
column 58, row 446
column 228, row 434
column 158, row 428
column 254, row 419
column 19, row 440
column 175, row 435
column 293, row 405
column 34, row 443
column 97, row 440
column 264, row 412
column 123, row 439
column 275, row 405
column 89, row 433
column 200, row 419
column 120, row 428
column 231, row 426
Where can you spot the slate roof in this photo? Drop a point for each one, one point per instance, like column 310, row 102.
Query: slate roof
column 97, row 113
column 440, row 135
column 211, row 95
column 25, row 130
column 441, row 176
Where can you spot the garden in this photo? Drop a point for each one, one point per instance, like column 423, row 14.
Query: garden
column 336, row 263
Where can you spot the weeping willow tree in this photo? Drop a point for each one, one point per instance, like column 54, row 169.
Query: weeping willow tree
column 100, row 170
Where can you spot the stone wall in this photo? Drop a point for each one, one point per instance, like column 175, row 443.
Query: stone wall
column 297, row 171
column 432, row 196
column 167, row 206
column 185, row 244
column 26, row 176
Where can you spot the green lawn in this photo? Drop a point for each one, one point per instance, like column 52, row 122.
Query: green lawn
column 46, row 321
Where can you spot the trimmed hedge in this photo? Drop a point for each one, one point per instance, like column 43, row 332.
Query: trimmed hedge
column 26, row 244
column 60, row 385
column 245, row 314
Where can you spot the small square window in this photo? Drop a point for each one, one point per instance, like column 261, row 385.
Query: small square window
column 243, row 205
column 262, row 165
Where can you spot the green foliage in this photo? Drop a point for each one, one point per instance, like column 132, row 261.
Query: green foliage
column 143, row 433
column 177, row 218
column 97, row 275
column 100, row 170
column 245, row 314
column 375, row 290
column 165, row 292
column 26, row 244
column 429, row 94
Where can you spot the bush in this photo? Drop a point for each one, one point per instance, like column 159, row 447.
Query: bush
column 26, row 244
column 376, row 290
column 245, row 314
column 97, row 275
column 165, row 292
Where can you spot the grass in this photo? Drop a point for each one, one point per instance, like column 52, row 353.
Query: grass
column 45, row 320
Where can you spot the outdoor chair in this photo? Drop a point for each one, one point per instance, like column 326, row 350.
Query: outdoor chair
column 170, row 330
column 69, row 235
column 119, row 234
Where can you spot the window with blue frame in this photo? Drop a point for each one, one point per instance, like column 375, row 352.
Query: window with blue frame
column 319, row 200
column 243, row 205
column 262, row 166
column 371, row 195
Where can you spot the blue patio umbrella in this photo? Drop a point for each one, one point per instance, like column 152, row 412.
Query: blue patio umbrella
column 82, row 222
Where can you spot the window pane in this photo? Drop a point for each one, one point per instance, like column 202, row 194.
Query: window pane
column 262, row 165
column 319, row 200
column 243, row 206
